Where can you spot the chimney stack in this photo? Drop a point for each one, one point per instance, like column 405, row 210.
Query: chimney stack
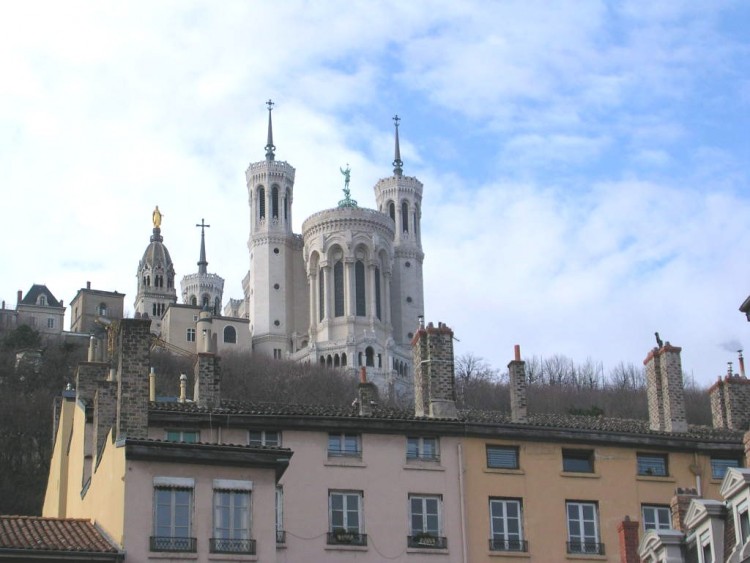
column 434, row 378
column 367, row 394
column 517, row 374
column 679, row 504
column 664, row 389
column 730, row 400
column 20, row 296
column 131, row 355
column 88, row 285
column 207, row 389
column 627, row 530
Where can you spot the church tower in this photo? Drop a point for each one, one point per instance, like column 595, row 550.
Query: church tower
column 203, row 289
column 400, row 197
column 156, row 288
column 275, row 254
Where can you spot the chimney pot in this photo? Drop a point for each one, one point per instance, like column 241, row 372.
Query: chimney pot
column 517, row 352
column 20, row 295
column 88, row 285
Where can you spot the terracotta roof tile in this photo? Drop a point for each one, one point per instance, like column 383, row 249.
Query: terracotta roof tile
column 52, row 534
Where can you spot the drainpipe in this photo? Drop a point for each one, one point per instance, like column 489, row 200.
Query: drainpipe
column 462, row 500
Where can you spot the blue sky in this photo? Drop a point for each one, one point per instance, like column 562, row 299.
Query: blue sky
column 584, row 162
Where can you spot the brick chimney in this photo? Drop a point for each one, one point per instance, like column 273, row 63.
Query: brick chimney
column 19, row 297
column 434, row 378
column 627, row 531
column 207, row 390
column 730, row 401
column 132, row 354
column 367, row 393
column 664, row 389
column 679, row 505
column 517, row 374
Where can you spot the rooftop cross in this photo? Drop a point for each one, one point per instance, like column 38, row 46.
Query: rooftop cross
column 202, row 263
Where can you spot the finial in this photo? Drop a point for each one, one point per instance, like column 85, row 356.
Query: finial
column 156, row 217
column 202, row 263
column 270, row 148
column 397, row 162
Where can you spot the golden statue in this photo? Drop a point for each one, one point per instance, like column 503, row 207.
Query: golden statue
column 156, row 217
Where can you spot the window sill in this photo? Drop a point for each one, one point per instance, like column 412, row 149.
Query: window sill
column 513, row 554
column 424, row 465
column 344, row 462
column 427, row 550
column 502, row 471
column 584, row 557
column 580, row 475
column 665, row 479
column 344, row 547
column 175, row 555
column 231, row 557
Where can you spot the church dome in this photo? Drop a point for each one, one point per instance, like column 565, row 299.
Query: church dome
column 156, row 255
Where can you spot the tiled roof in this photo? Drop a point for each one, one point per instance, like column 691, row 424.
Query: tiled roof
column 489, row 418
column 52, row 534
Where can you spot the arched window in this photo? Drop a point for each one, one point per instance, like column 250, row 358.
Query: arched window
column 336, row 361
column 338, row 289
column 359, row 282
column 170, row 281
column 102, row 310
column 286, row 206
column 230, row 335
column 405, row 217
column 416, row 221
column 43, row 300
column 148, row 281
column 261, row 202
column 321, row 295
column 392, row 210
column 193, row 300
column 322, row 361
column 217, row 306
column 275, row 202
column 329, row 361
column 359, row 359
column 377, row 293
column 370, row 357
column 343, row 359
column 205, row 300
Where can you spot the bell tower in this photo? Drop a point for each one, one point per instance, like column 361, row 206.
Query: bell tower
column 269, row 291
column 400, row 197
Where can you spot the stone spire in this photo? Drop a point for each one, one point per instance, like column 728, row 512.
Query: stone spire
column 270, row 148
column 202, row 262
column 397, row 162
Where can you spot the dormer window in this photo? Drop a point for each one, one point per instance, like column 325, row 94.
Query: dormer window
column 43, row 300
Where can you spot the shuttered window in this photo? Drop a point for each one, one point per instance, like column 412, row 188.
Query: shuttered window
column 503, row 457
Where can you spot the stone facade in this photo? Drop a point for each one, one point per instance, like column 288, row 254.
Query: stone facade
column 132, row 339
column 434, row 377
column 90, row 305
column 664, row 389
column 730, row 402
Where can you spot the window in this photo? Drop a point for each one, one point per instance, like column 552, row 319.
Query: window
column 280, row 535
column 502, row 457
column 719, row 466
column 230, row 335
column 321, row 296
column 345, row 518
column 186, row 436
column 102, row 310
column 43, row 300
column 578, row 461
column 359, row 288
column 277, row 353
column 232, row 518
column 261, row 203
column 421, row 448
column 173, row 508
column 51, row 322
column 656, row 517
column 742, row 530
column 405, row 217
column 392, row 210
column 425, row 522
column 705, row 543
column 275, row 202
column 652, row 464
column 506, row 528
column 377, row 293
column 264, row 438
column 583, row 528
column 338, row 289
column 190, row 335
column 347, row 445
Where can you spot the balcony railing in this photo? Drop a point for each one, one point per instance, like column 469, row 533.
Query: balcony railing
column 588, row 548
column 509, row 545
column 280, row 536
column 427, row 541
column 343, row 537
column 222, row 545
column 344, row 452
column 423, row 457
column 169, row 543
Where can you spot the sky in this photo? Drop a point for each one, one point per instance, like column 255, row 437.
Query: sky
column 584, row 163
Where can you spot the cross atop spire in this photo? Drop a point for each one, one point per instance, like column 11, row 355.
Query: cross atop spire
column 397, row 162
column 270, row 148
column 202, row 263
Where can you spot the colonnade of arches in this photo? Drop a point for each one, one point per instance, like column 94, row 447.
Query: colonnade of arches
column 406, row 216
column 275, row 204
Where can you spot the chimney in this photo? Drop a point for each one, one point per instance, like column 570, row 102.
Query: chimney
column 183, row 388
column 679, row 504
column 517, row 373
column 730, row 401
column 664, row 389
column 434, row 378
column 105, row 415
column 152, row 385
column 627, row 530
column 746, row 444
column 207, row 389
column 88, row 285
column 367, row 394
column 20, row 296
column 92, row 349
column 204, row 330
column 132, row 353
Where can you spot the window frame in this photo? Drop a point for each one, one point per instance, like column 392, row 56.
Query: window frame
column 742, row 522
column 577, row 455
column 506, row 451
column 659, row 523
column 416, row 450
column 174, row 541
column 190, row 335
column 720, row 465
column 581, row 543
column 652, row 464
column 232, row 537
column 180, row 439
column 343, row 449
column 429, row 507
column 504, row 540
column 346, row 534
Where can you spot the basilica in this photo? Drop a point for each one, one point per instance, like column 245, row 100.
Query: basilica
column 346, row 292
